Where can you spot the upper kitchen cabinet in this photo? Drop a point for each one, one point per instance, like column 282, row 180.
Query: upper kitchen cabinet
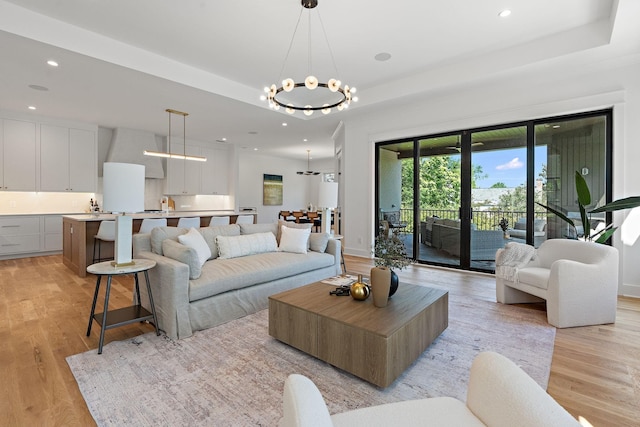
column 18, row 158
column 68, row 159
column 215, row 171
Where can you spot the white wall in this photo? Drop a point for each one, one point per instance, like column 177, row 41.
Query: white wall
column 534, row 93
column 298, row 190
column 391, row 181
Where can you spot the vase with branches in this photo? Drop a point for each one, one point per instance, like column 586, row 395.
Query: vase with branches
column 390, row 252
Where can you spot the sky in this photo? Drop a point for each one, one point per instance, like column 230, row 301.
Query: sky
column 507, row 166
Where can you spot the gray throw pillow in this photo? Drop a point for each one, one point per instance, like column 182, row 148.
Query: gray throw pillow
column 318, row 241
column 183, row 254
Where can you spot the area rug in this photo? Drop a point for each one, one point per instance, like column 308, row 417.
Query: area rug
column 234, row 374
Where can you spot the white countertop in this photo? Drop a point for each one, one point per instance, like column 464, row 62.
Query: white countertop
column 142, row 215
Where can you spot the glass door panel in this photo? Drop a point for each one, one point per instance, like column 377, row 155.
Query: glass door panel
column 498, row 192
column 396, row 192
column 565, row 147
column 439, row 168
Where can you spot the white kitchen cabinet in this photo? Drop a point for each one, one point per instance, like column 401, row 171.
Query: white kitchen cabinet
column 68, row 159
column 183, row 176
column 52, row 235
column 19, row 234
column 215, row 171
column 18, row 165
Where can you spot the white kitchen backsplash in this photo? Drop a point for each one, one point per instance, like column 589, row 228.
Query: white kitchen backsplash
column 20, row 203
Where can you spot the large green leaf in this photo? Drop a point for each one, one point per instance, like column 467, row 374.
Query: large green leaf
column 584, row 195
column 605, row 236
column 626, row 203
column 556, row 212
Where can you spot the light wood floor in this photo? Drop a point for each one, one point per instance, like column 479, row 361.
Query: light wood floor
column 44, row 310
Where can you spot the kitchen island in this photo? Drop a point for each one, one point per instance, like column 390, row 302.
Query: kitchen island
column 78, row 232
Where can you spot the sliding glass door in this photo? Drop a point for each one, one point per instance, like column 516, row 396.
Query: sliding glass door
column 455, row 199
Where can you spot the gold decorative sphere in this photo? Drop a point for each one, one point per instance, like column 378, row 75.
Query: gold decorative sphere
column 359, row 290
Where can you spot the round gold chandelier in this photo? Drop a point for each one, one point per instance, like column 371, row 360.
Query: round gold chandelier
column 337, row 95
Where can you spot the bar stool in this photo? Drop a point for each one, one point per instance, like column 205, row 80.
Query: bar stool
column 220, row 220
column 189, row 222
column 244, row 219
column 106, row 233
column 149, row 224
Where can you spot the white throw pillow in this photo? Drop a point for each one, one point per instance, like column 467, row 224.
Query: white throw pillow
column 194, row 240
column 294, row 239
column 247, row 244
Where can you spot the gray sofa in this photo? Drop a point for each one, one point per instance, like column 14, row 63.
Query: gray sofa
column 225, row 289
column 519, row 231
column 445, row 236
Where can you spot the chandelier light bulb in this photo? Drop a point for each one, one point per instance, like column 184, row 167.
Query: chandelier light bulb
column 353, row 90
column 266, row 89
column 326, row 109
column 340, row 107
column 263, row 97
column 288, row 85
column 311, row 82
column 289, row 109
column 355, row 99
column 308, row 110
column 334, row 85
column 276, row 106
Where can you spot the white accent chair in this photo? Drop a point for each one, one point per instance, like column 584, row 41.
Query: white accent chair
column 499, row 394
column 106, row 233
column 191, row 222
column 579, row 281
column 220, row 220
column 244, row 219
column 149, row 224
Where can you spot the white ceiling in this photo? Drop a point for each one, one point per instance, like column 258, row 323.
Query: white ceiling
column 123, row 62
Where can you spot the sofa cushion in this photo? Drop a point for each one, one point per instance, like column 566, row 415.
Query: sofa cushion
column 243, row 245
column 259, row 228
column 290, row 225
column 210, row 233
column 160, row 234
column 534, row 276
column 318, row 241
column 521, row 224
column 184, row 254
column 194, row 239
column 222, row 275
column 294, row 240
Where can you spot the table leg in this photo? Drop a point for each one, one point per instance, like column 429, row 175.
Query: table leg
column 104, row 315
column 93, row 306
column 153, row 307
column 136, row 294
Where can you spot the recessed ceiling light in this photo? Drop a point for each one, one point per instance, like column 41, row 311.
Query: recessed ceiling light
column 52, row 63
column 255, row 149
column 221, row 140
column 284, row 123
column 38, row 87
column 382, row 56
column 504, row 13
column 31, row 107
column 253, row 132
column 305, row 140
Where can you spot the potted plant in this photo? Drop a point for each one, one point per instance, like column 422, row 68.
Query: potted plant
column 504, row 225
column 390, row 252
column 584, row 199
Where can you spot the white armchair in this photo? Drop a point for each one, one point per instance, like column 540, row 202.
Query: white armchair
column 499, row 394
column 579, row 281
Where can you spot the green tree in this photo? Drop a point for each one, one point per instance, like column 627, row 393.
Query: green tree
column 499, row 185
column 439, row 182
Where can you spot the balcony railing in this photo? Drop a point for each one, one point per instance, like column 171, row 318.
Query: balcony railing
column 483, row 220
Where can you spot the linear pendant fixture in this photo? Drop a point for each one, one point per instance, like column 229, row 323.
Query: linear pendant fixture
column 169, row 154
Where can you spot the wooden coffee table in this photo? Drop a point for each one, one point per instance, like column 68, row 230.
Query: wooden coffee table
column 375, row 344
